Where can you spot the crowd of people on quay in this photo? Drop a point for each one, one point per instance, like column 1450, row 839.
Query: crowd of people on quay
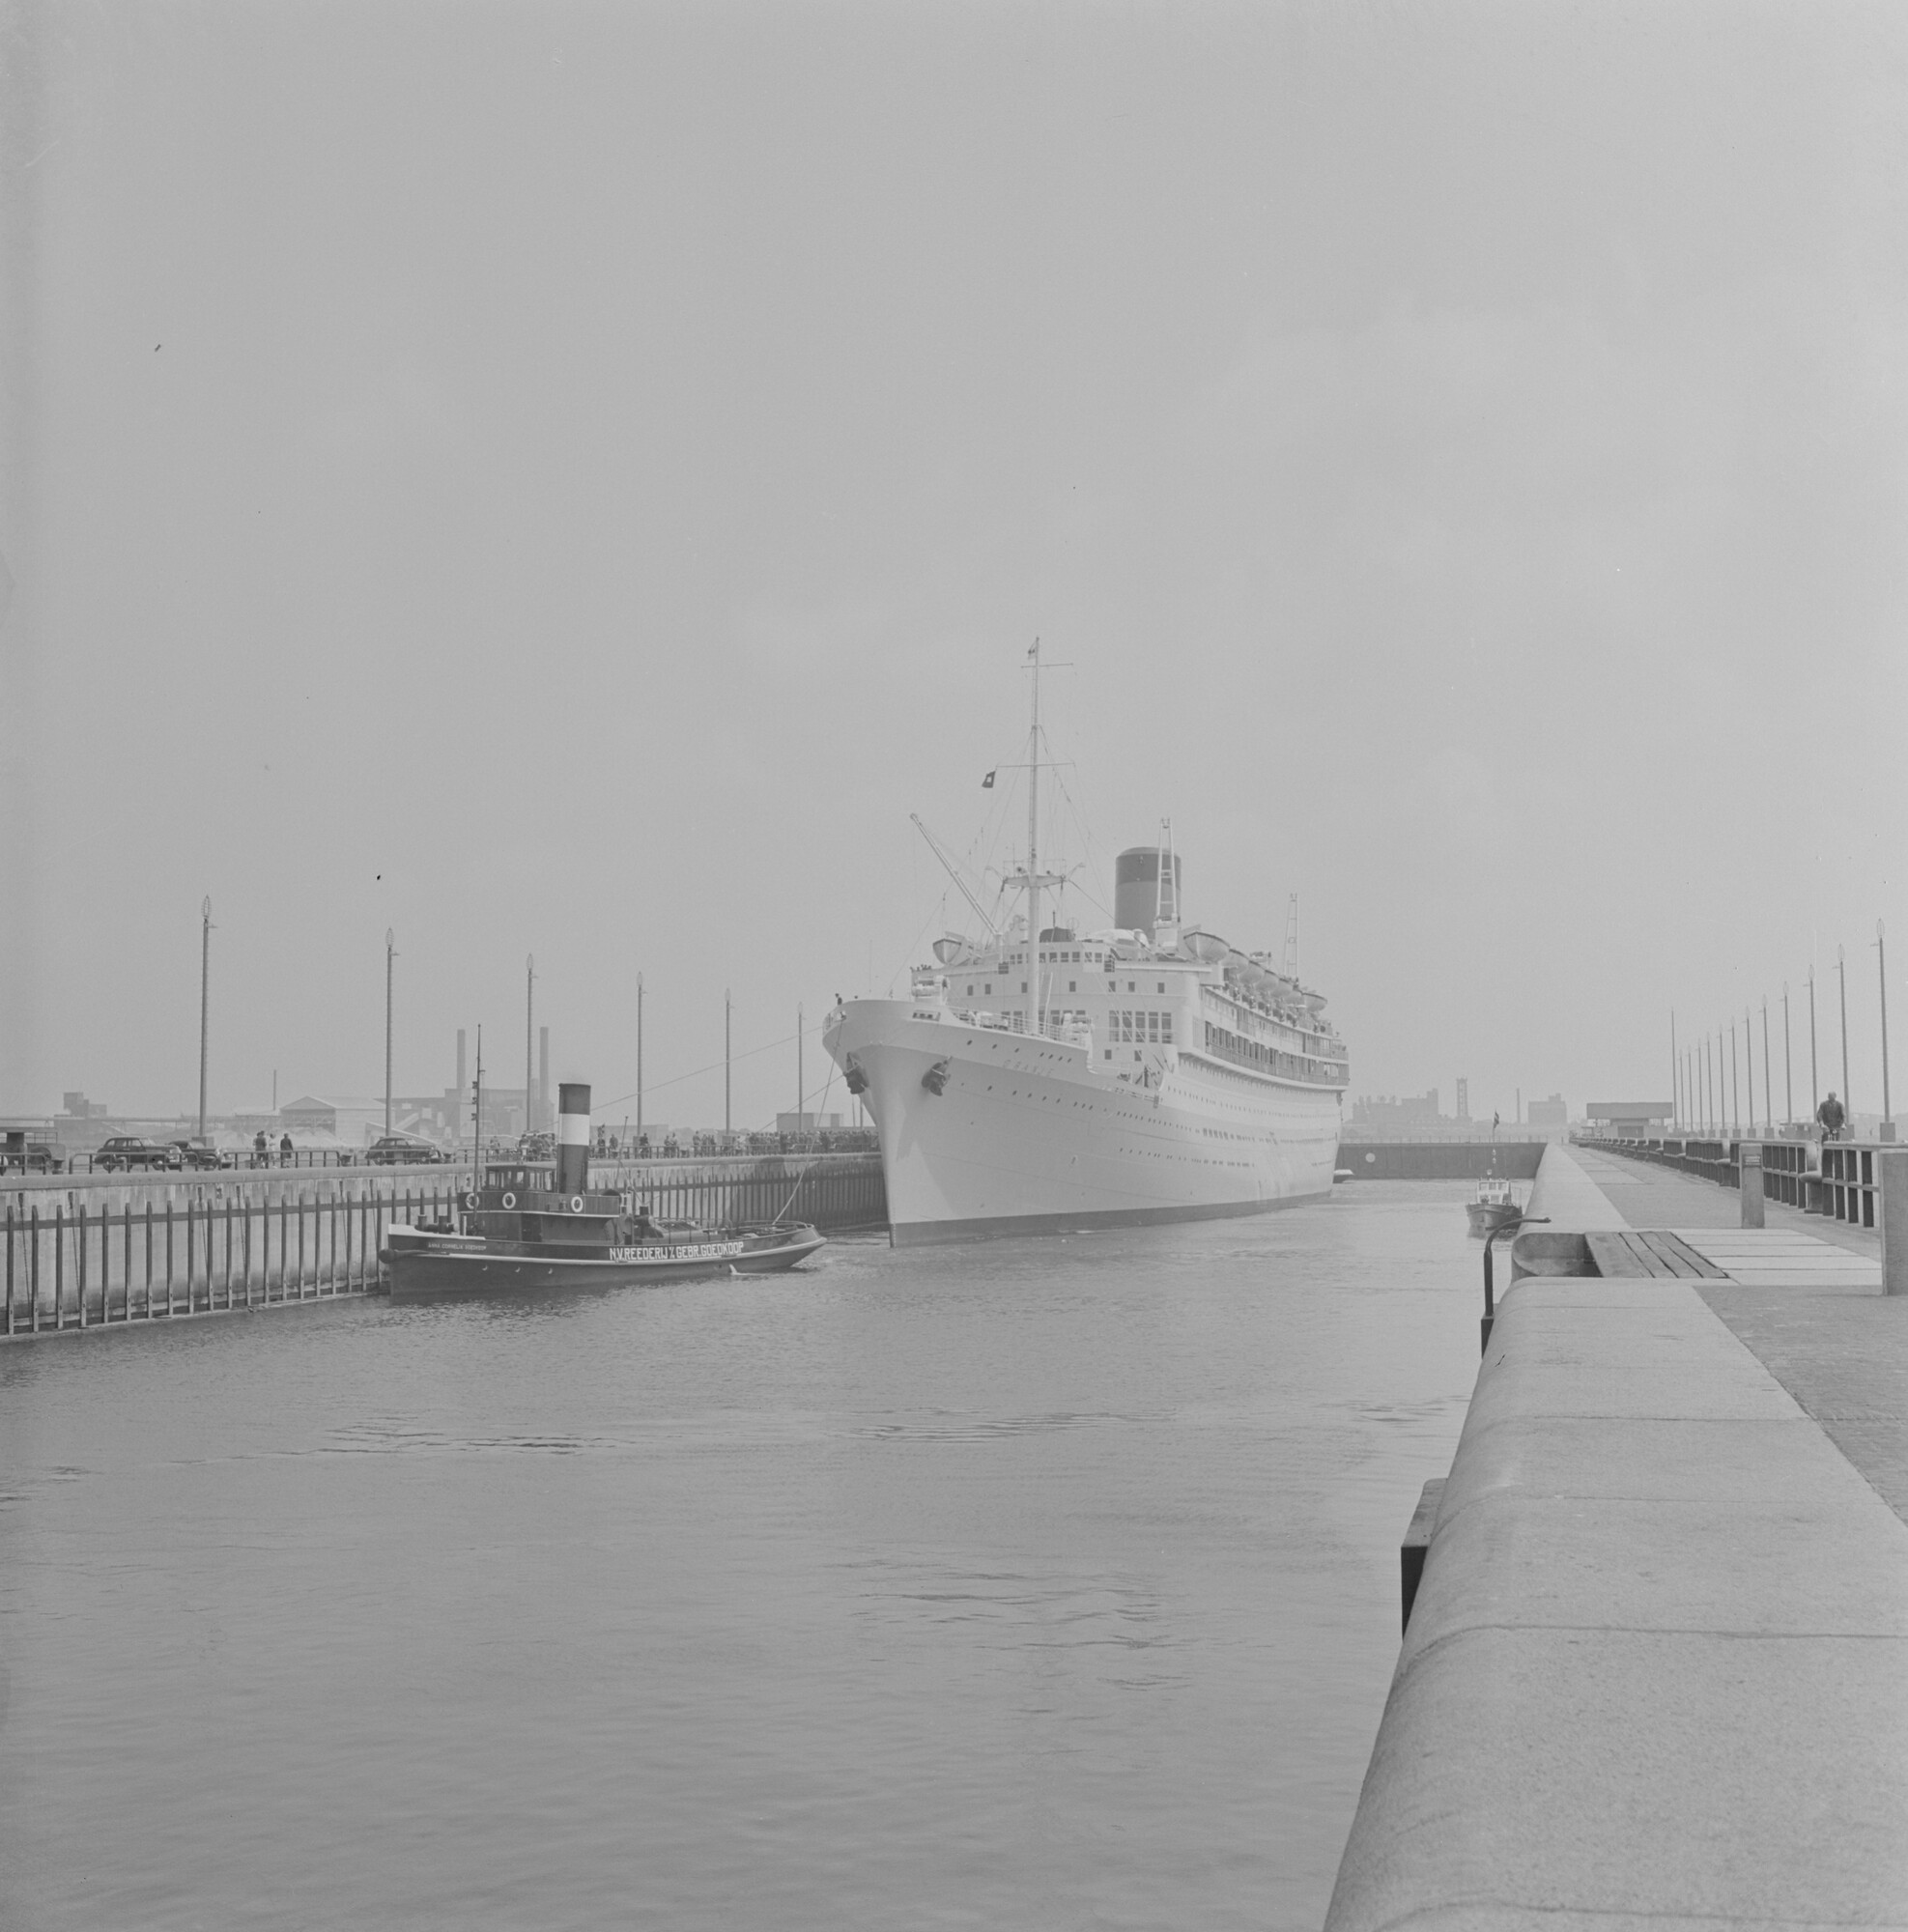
column 611, row 1145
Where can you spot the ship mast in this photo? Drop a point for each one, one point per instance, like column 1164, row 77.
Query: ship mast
column 1033, row 877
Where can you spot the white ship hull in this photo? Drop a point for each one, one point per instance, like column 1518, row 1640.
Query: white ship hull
column 1027, row 1134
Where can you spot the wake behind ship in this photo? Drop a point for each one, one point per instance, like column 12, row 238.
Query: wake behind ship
column 1146, row 1072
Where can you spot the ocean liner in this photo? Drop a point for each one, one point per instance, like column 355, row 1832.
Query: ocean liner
column 1146, row 1072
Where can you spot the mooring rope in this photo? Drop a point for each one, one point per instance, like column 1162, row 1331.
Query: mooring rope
column 827, row 1087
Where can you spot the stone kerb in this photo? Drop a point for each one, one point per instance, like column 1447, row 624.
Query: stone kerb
column 1657, row 1667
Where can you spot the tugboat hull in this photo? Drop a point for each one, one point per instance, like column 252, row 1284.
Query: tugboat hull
column 425, row 1263
column 1485, row 1215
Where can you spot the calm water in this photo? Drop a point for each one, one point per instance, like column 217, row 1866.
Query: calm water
column 1036, row 1584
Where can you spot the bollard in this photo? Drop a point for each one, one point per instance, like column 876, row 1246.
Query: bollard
column 1750, row 1155
column 1892, row 1210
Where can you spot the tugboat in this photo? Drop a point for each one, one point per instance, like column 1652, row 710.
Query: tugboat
column 1493, row 1205
column 529, row 1230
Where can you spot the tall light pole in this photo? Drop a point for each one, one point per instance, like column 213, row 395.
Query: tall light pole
column 1848, row 1096
column 1814, row 1078
column 1881, row 967
column 1676, row 1105
column 529, row 1043
column 390, row 953
column 1768, row 1090
column 204, row 1001
column 1788, row 1069
column 1749, row 1066
column 1735, row 1085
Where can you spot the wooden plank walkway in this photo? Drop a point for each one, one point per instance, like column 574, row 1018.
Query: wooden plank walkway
column 1652, row 1252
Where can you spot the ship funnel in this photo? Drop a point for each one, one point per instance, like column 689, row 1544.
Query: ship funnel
column 1142, row 897
column 572, row 1137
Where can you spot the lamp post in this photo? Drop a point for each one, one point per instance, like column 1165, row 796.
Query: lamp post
column 1676, row 1073
column 1735, row 1085
column 390, row 953
column 1749, row 1065
column 1848, row 1096
column 1814, row 1078
column 1768, row 1090
column 205, row 1002
column 1788, row 1070
column 1881, row 967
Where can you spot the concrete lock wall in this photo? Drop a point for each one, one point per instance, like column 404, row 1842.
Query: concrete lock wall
column 1441, row 1160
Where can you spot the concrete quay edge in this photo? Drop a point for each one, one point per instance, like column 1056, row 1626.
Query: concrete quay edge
column 1657, row 1666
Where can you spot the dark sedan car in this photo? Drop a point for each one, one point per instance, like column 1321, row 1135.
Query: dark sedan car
column 196, row 1153
column 128, row 1151
column 394, row 1150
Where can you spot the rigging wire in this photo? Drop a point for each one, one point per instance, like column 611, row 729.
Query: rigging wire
column 714, row 1065
column 820, row 1107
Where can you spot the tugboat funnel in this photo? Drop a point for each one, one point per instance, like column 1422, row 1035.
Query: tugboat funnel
column 572, row 1137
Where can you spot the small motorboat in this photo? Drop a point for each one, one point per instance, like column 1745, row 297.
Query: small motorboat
column 535, row 1226
column 1493, row 1205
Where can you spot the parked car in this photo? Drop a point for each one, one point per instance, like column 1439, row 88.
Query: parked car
column 20, row 1155
column 394, row 1150
column 128, row 1151
column 197, row 1154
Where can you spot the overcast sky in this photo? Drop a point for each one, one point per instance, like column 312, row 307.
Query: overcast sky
column 574, row 479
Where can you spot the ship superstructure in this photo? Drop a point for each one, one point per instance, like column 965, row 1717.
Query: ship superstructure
column 1149, row 1071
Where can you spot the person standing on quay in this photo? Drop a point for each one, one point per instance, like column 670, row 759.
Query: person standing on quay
column 1831, row 1114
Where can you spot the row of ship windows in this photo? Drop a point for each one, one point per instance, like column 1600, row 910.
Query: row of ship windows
column 1127, row 1027
column 1050, row 957
column 1250, row 1053
column 1246, row 1020
column 1072, row 986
